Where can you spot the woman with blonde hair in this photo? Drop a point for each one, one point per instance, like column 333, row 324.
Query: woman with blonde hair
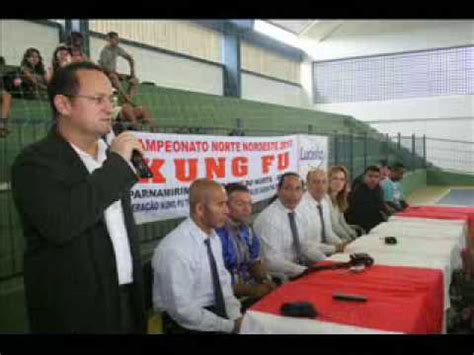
column 338, row 191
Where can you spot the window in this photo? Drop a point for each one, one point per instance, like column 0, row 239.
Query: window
column 439, row 72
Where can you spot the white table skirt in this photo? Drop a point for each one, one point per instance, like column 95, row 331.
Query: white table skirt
column 255, row 322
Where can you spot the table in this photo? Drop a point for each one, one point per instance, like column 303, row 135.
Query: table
column 400, row 300
column 408, row 286
column 418, row 228
column 440, row 249
column 442, row 213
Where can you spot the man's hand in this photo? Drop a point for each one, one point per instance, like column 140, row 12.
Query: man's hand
column 340, row 247
column 237, row 325
column 270, row 284
column 124, row 144
column 391, row 210
column 261, row 290
column 133, row 80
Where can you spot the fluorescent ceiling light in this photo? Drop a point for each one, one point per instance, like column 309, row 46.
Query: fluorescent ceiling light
column 277, row 33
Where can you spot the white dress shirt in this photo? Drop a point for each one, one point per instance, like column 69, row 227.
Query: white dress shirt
column 308, row 207
column 114, row 219
column 272, row 226
column 183, row 285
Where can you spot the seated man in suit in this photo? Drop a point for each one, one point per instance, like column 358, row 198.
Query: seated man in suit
column 286, row 245
column 315, row 207
column 191, row 284
column 241, row 248
column 366, row 205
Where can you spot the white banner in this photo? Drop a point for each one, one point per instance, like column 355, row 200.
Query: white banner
column 176, row 160
column 312, row 153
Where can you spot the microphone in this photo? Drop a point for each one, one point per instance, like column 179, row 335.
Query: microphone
column 137, row 159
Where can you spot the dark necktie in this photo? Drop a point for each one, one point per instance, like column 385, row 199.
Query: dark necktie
column 219, row 304
column 296, row 239
column 323, row 228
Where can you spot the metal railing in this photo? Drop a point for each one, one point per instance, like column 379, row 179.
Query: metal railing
column 451, row 155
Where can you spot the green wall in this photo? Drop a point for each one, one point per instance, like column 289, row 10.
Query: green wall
column 446, row 178
column 12, row 306
column 414, row 180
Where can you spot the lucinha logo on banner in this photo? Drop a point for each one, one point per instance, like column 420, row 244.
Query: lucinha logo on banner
column 312, row 153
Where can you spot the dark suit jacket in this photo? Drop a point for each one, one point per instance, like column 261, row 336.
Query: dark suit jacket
column 70, row 272
column 366, row 207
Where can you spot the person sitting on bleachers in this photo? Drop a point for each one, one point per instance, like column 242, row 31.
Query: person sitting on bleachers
column 5, row 101
column 133, row 114
column 392, row 190
column 108, row 61
column 241, row 248
column 286, row 246
column 366, row 205
column 338, row 190
column 315, row 207
column 191, row 285
column 62, row 56
column 75, row 42
column 34, row 78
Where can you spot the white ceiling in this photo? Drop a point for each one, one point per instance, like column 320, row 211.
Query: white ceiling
column 319, row 30
column 295, row 26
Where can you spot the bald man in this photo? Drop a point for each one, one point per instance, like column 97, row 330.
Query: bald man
column 191, row 285
column 315, row 207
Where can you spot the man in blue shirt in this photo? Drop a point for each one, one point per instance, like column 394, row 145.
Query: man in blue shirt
column 241, row 248
column 392, row 190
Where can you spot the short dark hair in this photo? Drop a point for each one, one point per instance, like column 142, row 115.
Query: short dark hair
column 55, row 60
column 282, row 178
column 398, row 166
column 73, row 36
column 112, row 34
column 66, row 82
column 373, row 168
column 235, row 187
column 76, row 34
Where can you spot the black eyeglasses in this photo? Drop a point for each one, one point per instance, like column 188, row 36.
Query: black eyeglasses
column 99, row 100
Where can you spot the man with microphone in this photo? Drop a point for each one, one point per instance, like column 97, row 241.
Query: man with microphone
column 82, row 267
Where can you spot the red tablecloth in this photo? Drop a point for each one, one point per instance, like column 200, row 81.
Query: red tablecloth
column 460, row 210
column 439, row 212
column 402, row 299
